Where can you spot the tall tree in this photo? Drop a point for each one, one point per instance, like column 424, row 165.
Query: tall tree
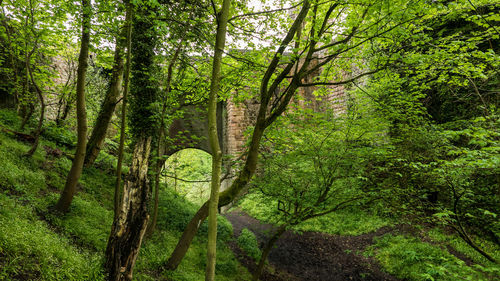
column 109, row 103
column 81, row 114
column 126, row 78
column 213, row 137
column 129, row 227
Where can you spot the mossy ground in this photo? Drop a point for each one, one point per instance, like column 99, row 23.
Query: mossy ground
column 38, row 245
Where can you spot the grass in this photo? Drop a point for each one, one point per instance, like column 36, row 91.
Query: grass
column 438, row 236
column 35, row 245
column 405, row 257
column 29, row 249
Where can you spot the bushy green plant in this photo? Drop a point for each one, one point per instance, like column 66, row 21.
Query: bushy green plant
column 412, row 259
column 248, row 243
column 105, row 162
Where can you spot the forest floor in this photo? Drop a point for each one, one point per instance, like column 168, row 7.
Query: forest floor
column 311, row 255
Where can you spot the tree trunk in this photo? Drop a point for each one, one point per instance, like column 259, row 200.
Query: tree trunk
column 128, row 229
column 128, row 21
column 66, row 110
column 38, row 130
column 107, row 109
column 130, row 226
column 26, row 112
column 265, row 252
column 81, row 115
column 213, row 138
column 186, row 238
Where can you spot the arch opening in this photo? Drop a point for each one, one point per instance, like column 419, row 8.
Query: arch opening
column 188, row 172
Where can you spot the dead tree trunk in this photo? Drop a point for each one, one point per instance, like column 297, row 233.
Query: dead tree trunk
column 129, row 228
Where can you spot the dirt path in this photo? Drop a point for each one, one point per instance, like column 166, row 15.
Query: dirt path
column 311, row 256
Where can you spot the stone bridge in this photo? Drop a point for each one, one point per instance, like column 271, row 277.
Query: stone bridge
column 234, row 119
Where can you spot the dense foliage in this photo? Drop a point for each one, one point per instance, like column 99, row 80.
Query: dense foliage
column 359, row 116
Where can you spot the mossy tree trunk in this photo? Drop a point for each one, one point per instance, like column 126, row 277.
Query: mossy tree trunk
column 81, row 115
column 130, row 225
column 38, row 129
column 213, row 138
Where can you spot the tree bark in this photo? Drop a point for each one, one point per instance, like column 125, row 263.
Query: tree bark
column 76, row 168
column 265, row 252
column 213, row 137
column 128, row 21
column 108, row 106
column 128, row 229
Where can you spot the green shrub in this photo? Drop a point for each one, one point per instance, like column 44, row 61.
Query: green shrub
column 248, row 243
column 105, row 162
column 411, row 259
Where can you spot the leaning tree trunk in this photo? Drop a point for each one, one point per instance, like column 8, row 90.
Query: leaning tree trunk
column 265, row 252
column 213, row 138
column 38, row 130
column 128, row 229
column 81, row 115
column 101, row 125
column 226, row 197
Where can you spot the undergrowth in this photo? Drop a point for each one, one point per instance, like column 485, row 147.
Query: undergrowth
column 38, row 245
column 249, row 244
column 349, row 221
column 412, row 259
